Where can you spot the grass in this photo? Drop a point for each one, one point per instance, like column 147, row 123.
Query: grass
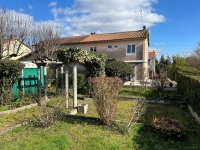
column 136, row 92
column 85, row 132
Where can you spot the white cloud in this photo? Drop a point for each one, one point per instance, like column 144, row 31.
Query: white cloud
column 52, row 4
column 161, row 43
column 30, row 6
column 102, row 16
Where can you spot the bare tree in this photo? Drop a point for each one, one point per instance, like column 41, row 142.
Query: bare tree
column 159, row 82
column 14, row 32
column 142, row 73
column 194, row 58
column 45, row 40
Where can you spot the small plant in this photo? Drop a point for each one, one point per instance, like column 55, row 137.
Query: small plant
column 47, row 114
column 168, row 127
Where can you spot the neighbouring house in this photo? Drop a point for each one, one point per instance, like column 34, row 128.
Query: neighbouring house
column 130, row 46
column 152, row 62
column 14, row 48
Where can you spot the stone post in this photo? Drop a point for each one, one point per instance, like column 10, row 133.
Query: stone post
column 45, row 82
column 61, row 80
column 67, row 85
column 39, row 79
column 75, row 85
column 56, row 78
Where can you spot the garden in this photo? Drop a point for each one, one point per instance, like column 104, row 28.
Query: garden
column 87, row 131
column 118, row 117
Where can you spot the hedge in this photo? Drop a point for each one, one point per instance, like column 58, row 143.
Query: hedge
column 188, row 80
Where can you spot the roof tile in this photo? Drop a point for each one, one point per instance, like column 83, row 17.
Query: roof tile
column 106, row 37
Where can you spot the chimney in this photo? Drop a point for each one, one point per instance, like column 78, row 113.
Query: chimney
column 12, row 36
column 144, row 27
column 92, row 33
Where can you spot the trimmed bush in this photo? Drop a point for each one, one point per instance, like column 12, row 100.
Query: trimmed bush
column 188, row 80
column 104, row 91
column 118, row 68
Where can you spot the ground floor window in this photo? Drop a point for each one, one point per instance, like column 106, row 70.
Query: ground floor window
column 93, row 49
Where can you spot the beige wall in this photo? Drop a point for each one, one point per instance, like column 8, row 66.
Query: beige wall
column 11, row 48
column 120, row 52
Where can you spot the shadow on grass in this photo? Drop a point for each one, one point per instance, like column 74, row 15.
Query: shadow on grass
column 149, row 93
column 146, row 139
column 85, row 120
column 82, row 120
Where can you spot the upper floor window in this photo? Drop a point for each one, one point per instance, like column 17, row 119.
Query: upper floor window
column 109, row 46
column 115, row 47
column 130, row 49
column 93, row 49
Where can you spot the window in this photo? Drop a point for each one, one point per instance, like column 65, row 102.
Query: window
column 109, row 46
column 93, row 49
column 130, row 49
column 115, row 47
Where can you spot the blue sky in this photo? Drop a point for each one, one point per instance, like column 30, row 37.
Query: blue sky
column 174, row 24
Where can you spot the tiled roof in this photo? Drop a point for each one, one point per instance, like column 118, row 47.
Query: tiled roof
column 72, row 39
column 9, row 40
column 152, row 54
column 106, row 37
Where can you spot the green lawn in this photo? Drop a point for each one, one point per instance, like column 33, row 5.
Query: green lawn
column 86, row 132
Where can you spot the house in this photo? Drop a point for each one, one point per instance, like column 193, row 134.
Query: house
column 14, row 48
column 152, row 60
column 131, row 46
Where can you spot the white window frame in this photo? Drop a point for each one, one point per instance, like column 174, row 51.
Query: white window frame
column 115, row 47
column 92, row 48
column 109, row 47
column 131, row 49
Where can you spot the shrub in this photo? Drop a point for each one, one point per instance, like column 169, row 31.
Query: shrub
column 81, row 84
column 46, row 114
column 167, row 127
column 188, row 81
column 118, row 68
column 10, row 71
column 104, row 91
column 94, row 62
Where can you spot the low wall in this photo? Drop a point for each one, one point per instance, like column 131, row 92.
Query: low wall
column 194, row 114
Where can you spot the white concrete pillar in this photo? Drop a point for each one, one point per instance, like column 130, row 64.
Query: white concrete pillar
column 145, row 56
column 75, row 85
column 39, row 79
column 45, row 82
column 62, row 80
column 56, row 78
column 22, row 81
column 67, row 85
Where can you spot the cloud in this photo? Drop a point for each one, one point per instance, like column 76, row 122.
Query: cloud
column 102, row 16
column 161, row 43
column 30, row 6
column 52, row 4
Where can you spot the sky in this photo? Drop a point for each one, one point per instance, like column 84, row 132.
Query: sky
column 174, row 25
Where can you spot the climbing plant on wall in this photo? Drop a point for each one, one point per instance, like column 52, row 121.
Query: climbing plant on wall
column 94, row 62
